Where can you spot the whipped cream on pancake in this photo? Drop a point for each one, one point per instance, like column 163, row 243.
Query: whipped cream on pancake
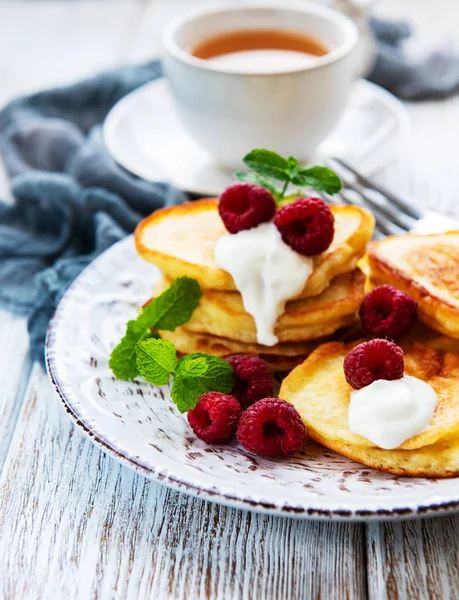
column 266, row 272
column 390, row 412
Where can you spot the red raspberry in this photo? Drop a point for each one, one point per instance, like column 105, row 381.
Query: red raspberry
column 245, row 205
column 254, row 380
column 215, row 416
column 388, row 312
column 271, row 427
column 369, row 361
column 307, row 225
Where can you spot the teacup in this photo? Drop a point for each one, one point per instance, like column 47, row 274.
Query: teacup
column 289, row 110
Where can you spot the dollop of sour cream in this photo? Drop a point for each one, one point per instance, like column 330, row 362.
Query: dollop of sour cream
column 266, row 272
column 390, row 412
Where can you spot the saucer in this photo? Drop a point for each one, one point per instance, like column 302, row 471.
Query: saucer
column 144, row 135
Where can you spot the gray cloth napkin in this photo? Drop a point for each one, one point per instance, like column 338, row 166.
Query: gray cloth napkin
column 72, row 201
column 435, row 75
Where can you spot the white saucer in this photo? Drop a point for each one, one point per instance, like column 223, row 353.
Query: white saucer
column 144, row 135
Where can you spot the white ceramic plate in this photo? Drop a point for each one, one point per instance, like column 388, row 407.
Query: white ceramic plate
column 138, row 424
column 144, row 135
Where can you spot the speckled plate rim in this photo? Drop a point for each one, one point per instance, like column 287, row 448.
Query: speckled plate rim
column 213, row 494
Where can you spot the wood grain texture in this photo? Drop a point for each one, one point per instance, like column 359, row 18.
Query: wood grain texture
column 75, row 524
column 426, row 172
column 79, row 525
column 414, row 559
column 14, row 373
column 420, row 559
column 49, row 43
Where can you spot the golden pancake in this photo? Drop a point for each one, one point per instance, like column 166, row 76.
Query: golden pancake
column 181, row 240
column 425, row 335
column 437, row 460
column 280, row 358
column 319, row 391
column 322, row 393
column 222, row 313
column 188, row 341
column 426, row 267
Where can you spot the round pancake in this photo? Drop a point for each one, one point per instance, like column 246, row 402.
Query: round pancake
column 425, row 335
column 426, row 268
column 187, row 342
column 280, row 358
column 436, row 460
column 222, row 313
column 319, row 391
column 181, row 240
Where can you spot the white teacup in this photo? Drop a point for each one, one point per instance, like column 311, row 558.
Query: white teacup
column 288, row 110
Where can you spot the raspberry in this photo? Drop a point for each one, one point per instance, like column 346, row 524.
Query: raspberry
column 388, row 312
column 369, row 361
column 245, row 205
column 254, row 380
column 307, row 225
column 271, row 427
column 215, row 416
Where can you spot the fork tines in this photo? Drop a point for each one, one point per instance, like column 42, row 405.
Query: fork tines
column 393, row 215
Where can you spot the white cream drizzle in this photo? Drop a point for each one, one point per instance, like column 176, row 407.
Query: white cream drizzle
column 267, row 273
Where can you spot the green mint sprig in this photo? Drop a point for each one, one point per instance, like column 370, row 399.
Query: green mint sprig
column 267, row 165
column 167, row 311
column 194, row 374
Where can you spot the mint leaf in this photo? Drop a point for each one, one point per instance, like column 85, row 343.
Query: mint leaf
column 123, row 359
column 185, row 392
column 197, row 374
column 194, row 365
column 168, row 311
column 156, row 360
column 292, row 162
column 216, row 371
column 268, row 163
column 318, row 178
column 173, row 307
column 258, row 180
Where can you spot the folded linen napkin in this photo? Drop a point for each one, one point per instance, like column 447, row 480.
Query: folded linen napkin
column 72, row 201
column 425, row 77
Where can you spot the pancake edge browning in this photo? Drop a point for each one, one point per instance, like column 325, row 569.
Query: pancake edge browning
column 280, row 358
column 439, row 457
column 343, row 259
column 434, row 311
column 304, row 319
column 440, row 460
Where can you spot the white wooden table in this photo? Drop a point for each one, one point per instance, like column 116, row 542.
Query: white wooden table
column 73, row 522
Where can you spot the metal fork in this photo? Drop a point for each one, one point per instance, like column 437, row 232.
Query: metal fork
column 392, row 215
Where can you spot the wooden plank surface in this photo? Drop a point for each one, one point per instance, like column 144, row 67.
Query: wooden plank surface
column 420, row 559
column 48, row 43
column 414, row 559
column 79, row 525
column 14, row 374
column 75, row 524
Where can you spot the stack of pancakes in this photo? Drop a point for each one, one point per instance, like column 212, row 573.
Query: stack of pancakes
column 181, row 241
